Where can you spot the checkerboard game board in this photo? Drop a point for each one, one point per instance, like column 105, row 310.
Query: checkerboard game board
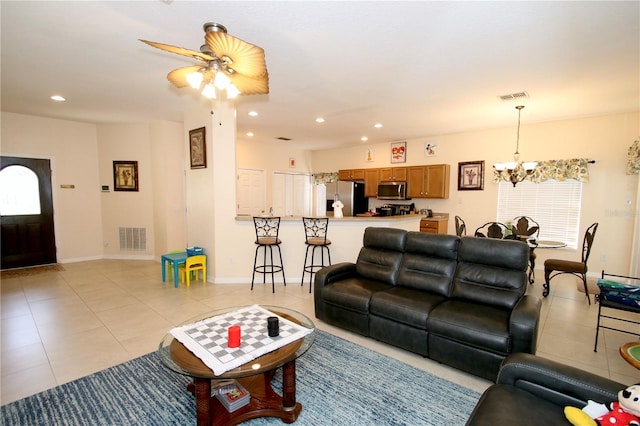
column 207, row 339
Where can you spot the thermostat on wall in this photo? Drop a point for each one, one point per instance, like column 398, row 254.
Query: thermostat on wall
column 105, row 188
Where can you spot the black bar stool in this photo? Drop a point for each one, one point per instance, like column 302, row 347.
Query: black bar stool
column 267, row 229
column 315, row 232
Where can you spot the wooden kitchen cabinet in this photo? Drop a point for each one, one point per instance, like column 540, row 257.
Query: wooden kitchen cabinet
column 371, row 182
column 434, row 226
column 393, row 174
column 351, row 174
column 430, row 181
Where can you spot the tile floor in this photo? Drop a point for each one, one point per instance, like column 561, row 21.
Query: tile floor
column 59, row 326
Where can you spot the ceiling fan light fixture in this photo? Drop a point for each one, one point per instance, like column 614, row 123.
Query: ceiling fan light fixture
column 195, row 79
column 232, row 91
column 209, row 91
column 221, row 81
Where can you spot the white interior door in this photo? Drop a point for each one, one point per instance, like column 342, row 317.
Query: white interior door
column 251, row 192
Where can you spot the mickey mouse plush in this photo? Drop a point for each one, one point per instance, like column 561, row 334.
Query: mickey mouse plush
column 624, row 412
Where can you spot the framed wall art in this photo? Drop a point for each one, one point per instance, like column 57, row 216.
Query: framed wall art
column 198, row 148
column 430, row 149
column 399, row 152
column 125, row 176
column 471, row 176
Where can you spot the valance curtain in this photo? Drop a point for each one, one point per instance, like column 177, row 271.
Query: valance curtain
column 559, row 170
column 321, row 178
column 633, row 162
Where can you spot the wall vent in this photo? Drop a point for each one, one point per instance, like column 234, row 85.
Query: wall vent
column 514, row 96
column 133, row 238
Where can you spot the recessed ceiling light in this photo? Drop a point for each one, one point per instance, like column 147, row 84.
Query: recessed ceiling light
column 250, row 134
column 58, row 98
column 319, row 120
column 253, row 113
column 364, row 139
column 377, row 125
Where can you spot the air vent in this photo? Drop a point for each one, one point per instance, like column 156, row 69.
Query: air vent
column 514, row 96
column 282, row 138
column 133, row 238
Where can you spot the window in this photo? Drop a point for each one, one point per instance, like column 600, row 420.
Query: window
column 19, row 191
column 554, row 205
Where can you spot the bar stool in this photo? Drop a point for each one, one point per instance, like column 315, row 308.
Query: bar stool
column 315, row 232
column 267, row 229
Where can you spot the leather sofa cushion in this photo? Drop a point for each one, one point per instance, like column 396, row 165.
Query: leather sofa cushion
column 381, row 254
column 429, row 262
column 472, row 324
column 508, row 405
column 352, row 293
column 491, row 272
column 405, row 305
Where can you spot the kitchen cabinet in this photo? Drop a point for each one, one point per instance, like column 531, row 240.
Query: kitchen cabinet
column 430, row 181
column 371, row 179
column 434, row 226
column 351, row 174
column 391, row 174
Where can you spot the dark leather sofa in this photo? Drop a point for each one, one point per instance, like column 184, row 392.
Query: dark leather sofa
column 459, row 301
column 531, row 390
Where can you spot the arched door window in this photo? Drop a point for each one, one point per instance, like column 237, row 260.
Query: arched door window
column 19, row 191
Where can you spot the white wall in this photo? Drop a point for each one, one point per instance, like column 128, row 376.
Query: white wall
column 609, row 198
column 73, row 150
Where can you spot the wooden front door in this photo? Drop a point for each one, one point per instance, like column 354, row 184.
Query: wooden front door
column 26, row 213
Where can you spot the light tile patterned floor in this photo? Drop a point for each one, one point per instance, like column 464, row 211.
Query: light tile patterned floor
column 58, row 326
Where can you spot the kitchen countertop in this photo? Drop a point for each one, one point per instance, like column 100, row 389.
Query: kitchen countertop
column 397, row 218
column 437, row 217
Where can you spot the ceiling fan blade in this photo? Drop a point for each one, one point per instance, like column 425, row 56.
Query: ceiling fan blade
column 250, row 85
column 178, row 77
column 245, row 58
column 180, row 51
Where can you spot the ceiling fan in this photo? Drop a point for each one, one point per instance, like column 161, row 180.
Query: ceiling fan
column 226, row 65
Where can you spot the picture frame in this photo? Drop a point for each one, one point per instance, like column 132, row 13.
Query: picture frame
column 399, row 152
column 198, row 148
column 471, row 176
column 430, row 149
column 125, row 176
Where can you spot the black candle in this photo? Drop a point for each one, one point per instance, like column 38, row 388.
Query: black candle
column 273, row 326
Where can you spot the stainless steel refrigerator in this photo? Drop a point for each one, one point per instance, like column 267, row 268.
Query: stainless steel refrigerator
column 351, row 194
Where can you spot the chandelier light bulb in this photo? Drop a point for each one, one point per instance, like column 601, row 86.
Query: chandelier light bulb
column 195, row 79
column 209, row 91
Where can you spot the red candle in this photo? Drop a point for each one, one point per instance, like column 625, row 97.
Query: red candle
column 234, row 336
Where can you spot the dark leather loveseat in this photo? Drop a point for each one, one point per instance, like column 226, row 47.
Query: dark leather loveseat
column 531, row 390
column 459, row 301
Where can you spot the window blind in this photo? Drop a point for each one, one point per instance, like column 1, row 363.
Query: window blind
column 554, row 205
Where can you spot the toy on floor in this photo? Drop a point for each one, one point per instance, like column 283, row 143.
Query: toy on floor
column 624, row 412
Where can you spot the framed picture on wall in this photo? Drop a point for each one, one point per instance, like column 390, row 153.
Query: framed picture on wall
column 125, row 176
column 198, row 148
column 399, row 152
column 471, row 176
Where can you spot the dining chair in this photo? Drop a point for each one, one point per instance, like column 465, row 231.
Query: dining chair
column 555, row 267
column 528, row 230
column 315, row 233
column 192, row 267
column 461, row 227
column 493, row 230
column 267, row 229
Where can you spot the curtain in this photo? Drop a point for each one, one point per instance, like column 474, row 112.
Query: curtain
column 633, row 163
column 320, row 178
column 559, row 170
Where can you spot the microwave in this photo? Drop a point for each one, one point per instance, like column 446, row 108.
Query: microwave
column 392, row 191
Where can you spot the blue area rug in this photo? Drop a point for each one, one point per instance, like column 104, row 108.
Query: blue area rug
column 338, row 382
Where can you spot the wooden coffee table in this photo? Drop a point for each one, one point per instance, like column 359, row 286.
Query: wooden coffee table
column 631, row 353
column 255, row 376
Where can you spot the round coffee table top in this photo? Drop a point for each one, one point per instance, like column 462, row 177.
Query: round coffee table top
column 631, row 353
column 178, row 358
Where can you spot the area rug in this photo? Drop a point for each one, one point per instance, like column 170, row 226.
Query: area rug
column 338, row 382
column 32, row 270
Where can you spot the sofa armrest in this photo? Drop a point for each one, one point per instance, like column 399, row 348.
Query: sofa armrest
column 523, row 326
column 555, row 382
column 326, row 276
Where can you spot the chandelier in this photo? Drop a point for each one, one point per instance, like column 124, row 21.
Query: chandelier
column 515, row 168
